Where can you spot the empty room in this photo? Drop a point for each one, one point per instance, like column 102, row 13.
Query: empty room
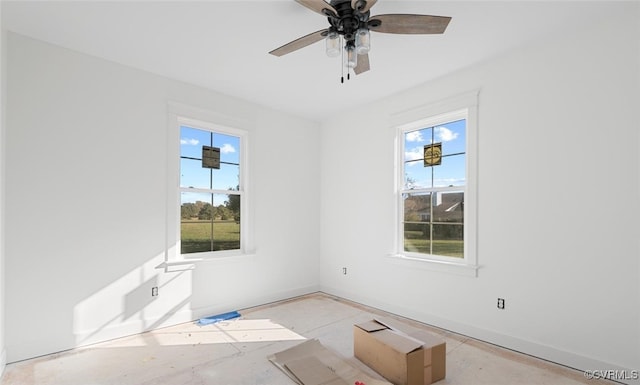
column 319, row 192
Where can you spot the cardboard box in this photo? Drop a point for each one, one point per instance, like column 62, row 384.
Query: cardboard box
column 435, row 353
column 404, row 357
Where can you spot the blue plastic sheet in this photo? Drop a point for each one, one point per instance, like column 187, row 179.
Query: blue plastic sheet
column 217, row 318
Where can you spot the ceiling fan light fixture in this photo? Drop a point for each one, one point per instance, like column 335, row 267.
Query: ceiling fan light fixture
column 350, row 24
column 363, row 41
column 351, row 56
column 333, row 44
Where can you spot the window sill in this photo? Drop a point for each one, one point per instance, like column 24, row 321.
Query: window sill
column 434, row 265
column 190, row 263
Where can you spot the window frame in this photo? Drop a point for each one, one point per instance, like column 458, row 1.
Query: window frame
column 183, row 115
column 242, row 136
column 460, row 107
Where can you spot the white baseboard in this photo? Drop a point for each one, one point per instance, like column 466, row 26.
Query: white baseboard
column 548, row 353
column 254, row 301
column 110, row 332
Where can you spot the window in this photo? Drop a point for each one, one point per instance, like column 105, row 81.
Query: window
column 433, row 189
column 211, row 188
column 436, row 178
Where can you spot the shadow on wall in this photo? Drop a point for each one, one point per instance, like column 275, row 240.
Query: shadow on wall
column 143, row 299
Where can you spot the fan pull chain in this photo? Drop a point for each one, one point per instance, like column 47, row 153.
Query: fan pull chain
column 342, row 63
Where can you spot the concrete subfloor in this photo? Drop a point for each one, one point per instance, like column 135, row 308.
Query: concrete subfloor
column 235, row 352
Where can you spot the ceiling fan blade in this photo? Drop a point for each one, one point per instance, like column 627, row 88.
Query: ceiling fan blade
column 300, row 43
column 409, row 24
column 364, row 4
column 318, row 6
column 363, row 64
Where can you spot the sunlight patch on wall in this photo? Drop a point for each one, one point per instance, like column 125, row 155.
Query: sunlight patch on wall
column 127, row 305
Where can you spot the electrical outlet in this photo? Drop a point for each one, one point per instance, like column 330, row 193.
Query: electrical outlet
column 501, row 303
column 154, row 291
column 344, row 271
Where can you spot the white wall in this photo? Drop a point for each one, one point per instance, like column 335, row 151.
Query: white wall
column 86, row 192
column 3, row 352
column 86, row 163
column 558, row 202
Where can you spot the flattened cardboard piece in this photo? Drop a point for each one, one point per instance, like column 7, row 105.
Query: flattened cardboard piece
column 337, row 364
column 311, row 371
column 305, row 349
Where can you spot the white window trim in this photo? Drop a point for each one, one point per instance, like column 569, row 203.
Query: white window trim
column 427, row 116
column 180, row 114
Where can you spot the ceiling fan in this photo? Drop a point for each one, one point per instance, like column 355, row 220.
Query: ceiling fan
column 351, row 21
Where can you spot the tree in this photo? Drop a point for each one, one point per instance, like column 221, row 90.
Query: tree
column 223, row 213
column 206, row 212
column 188, row 210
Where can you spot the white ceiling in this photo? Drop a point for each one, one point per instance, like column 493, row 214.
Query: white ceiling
column 224, row 45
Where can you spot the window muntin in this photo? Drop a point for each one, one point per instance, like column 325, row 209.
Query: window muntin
column 432, row 196
column 210, row 199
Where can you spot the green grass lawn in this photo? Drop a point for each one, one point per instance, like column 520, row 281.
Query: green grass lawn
column 196, row 236
column 415, row 242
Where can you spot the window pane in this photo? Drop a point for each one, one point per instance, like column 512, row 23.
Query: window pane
column 195, row 222
column 229, row 147
column 452, row 136
column 193, row 175
column 417, row 176
column 417, row 207
column 226, row 222
column 226, row 235
column 451, row 172
column 209, row 222
column 227, row 178
column 448, row 207
column 448, row 240
column 195, row 236
column 417, row 238
column 192, row 140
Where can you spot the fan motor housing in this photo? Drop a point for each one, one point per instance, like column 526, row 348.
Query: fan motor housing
column 348, row 20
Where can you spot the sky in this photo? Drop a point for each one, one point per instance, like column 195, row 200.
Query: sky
column 192, row 174
column 452, row 170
